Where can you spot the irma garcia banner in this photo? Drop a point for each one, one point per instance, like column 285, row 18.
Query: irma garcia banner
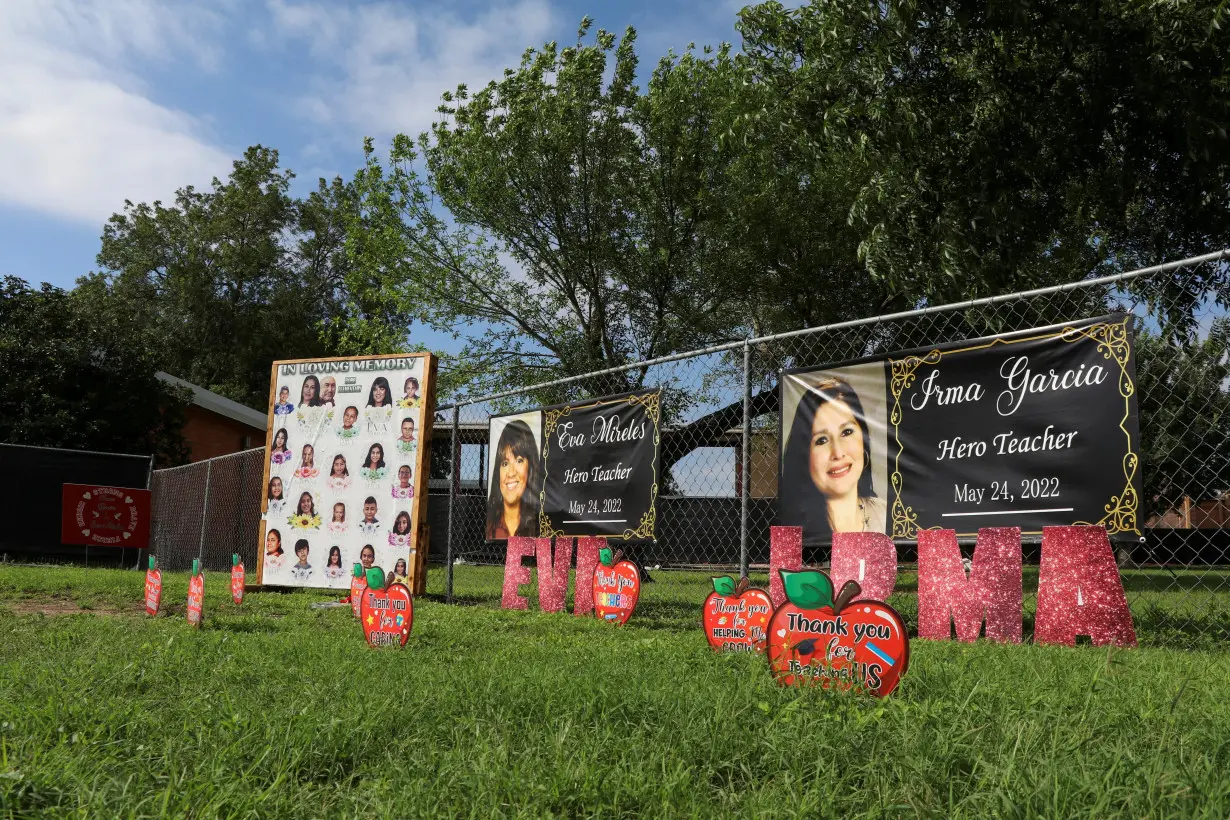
column 1031, row 429
column 583, row 469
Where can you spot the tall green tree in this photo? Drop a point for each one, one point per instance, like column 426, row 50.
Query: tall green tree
column 224, row 281
column 1008, row 144
column 573, row 240
column 69, row 380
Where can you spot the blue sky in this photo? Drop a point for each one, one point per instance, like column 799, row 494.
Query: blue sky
column 107, row 100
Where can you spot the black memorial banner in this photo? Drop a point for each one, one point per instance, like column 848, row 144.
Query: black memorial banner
column 588, row 468
column 1030, row 429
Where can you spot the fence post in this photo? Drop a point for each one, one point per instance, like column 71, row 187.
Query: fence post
column 454, row 478
column 745, row 474
column 209, row 470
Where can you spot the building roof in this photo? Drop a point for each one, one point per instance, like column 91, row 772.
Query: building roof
column 219, row 404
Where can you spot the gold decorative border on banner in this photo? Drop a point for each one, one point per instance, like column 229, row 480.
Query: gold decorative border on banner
column 652, row 402
column 1112, row 342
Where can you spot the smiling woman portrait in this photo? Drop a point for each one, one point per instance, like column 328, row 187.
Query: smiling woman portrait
column 827, row 468
column 516, row 481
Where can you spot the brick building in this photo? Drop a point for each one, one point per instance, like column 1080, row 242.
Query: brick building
column 217, row 426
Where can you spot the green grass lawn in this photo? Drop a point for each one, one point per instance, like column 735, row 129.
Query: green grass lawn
column 274, row 708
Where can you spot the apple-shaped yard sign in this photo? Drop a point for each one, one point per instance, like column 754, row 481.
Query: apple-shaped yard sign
column 236, row 579
column 386, row 612
column 736, row 616
column 153, row 588
column 617, row 586
column 837, row 642
column 358, row 583
column 196, row 594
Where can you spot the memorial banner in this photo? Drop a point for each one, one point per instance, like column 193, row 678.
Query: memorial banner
column 583, row 469
column 346, row 470
column 1030, row 429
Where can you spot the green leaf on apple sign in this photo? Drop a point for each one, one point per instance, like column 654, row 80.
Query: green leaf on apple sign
column 375, row 578
column 607, row 556
column 808, row 589
column 725, row 585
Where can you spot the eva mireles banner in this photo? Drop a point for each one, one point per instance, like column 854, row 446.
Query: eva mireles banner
column 584, row 469
column 346, row 469
column 1029, row 429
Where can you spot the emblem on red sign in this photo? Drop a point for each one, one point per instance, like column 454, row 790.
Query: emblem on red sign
column 736, row 616
column 104, row 516
column 153, row 588
column 617, row 586
column 841, row 642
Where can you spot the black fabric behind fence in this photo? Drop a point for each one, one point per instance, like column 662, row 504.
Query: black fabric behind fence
column 31, row 479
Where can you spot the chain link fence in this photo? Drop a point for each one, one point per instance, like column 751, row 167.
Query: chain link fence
column 719, row 452
column 720, row 446
column 208, row 510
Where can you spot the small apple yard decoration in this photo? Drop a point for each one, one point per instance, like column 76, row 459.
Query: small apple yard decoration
column 358, row 583
column 153, row 588
column 838, row 642
column 617, row 586
column 387, row 611
column 236, row 579
column 196, row 593
column 736, row 616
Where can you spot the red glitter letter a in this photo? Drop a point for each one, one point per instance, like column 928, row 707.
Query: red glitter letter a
column 1079, row 590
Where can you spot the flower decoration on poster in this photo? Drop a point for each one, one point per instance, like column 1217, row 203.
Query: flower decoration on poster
column 282, row 457
column 404, row 446
column 338, row 483
column 403, row 492
column 306, row 473
column 396, row 540
column 336, row 527
column 346, row 432
column 374, row 473
column 313, row 418
column 409, row 404
column 304, row 521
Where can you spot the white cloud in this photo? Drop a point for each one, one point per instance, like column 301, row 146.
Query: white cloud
column 78, row 130
column 385, row 65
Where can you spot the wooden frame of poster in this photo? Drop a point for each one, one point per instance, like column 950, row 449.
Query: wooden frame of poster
column 360, row 375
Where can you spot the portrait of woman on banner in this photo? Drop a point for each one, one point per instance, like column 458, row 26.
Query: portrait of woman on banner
column 516, row 483
column 309, row 394
column 827, row 470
